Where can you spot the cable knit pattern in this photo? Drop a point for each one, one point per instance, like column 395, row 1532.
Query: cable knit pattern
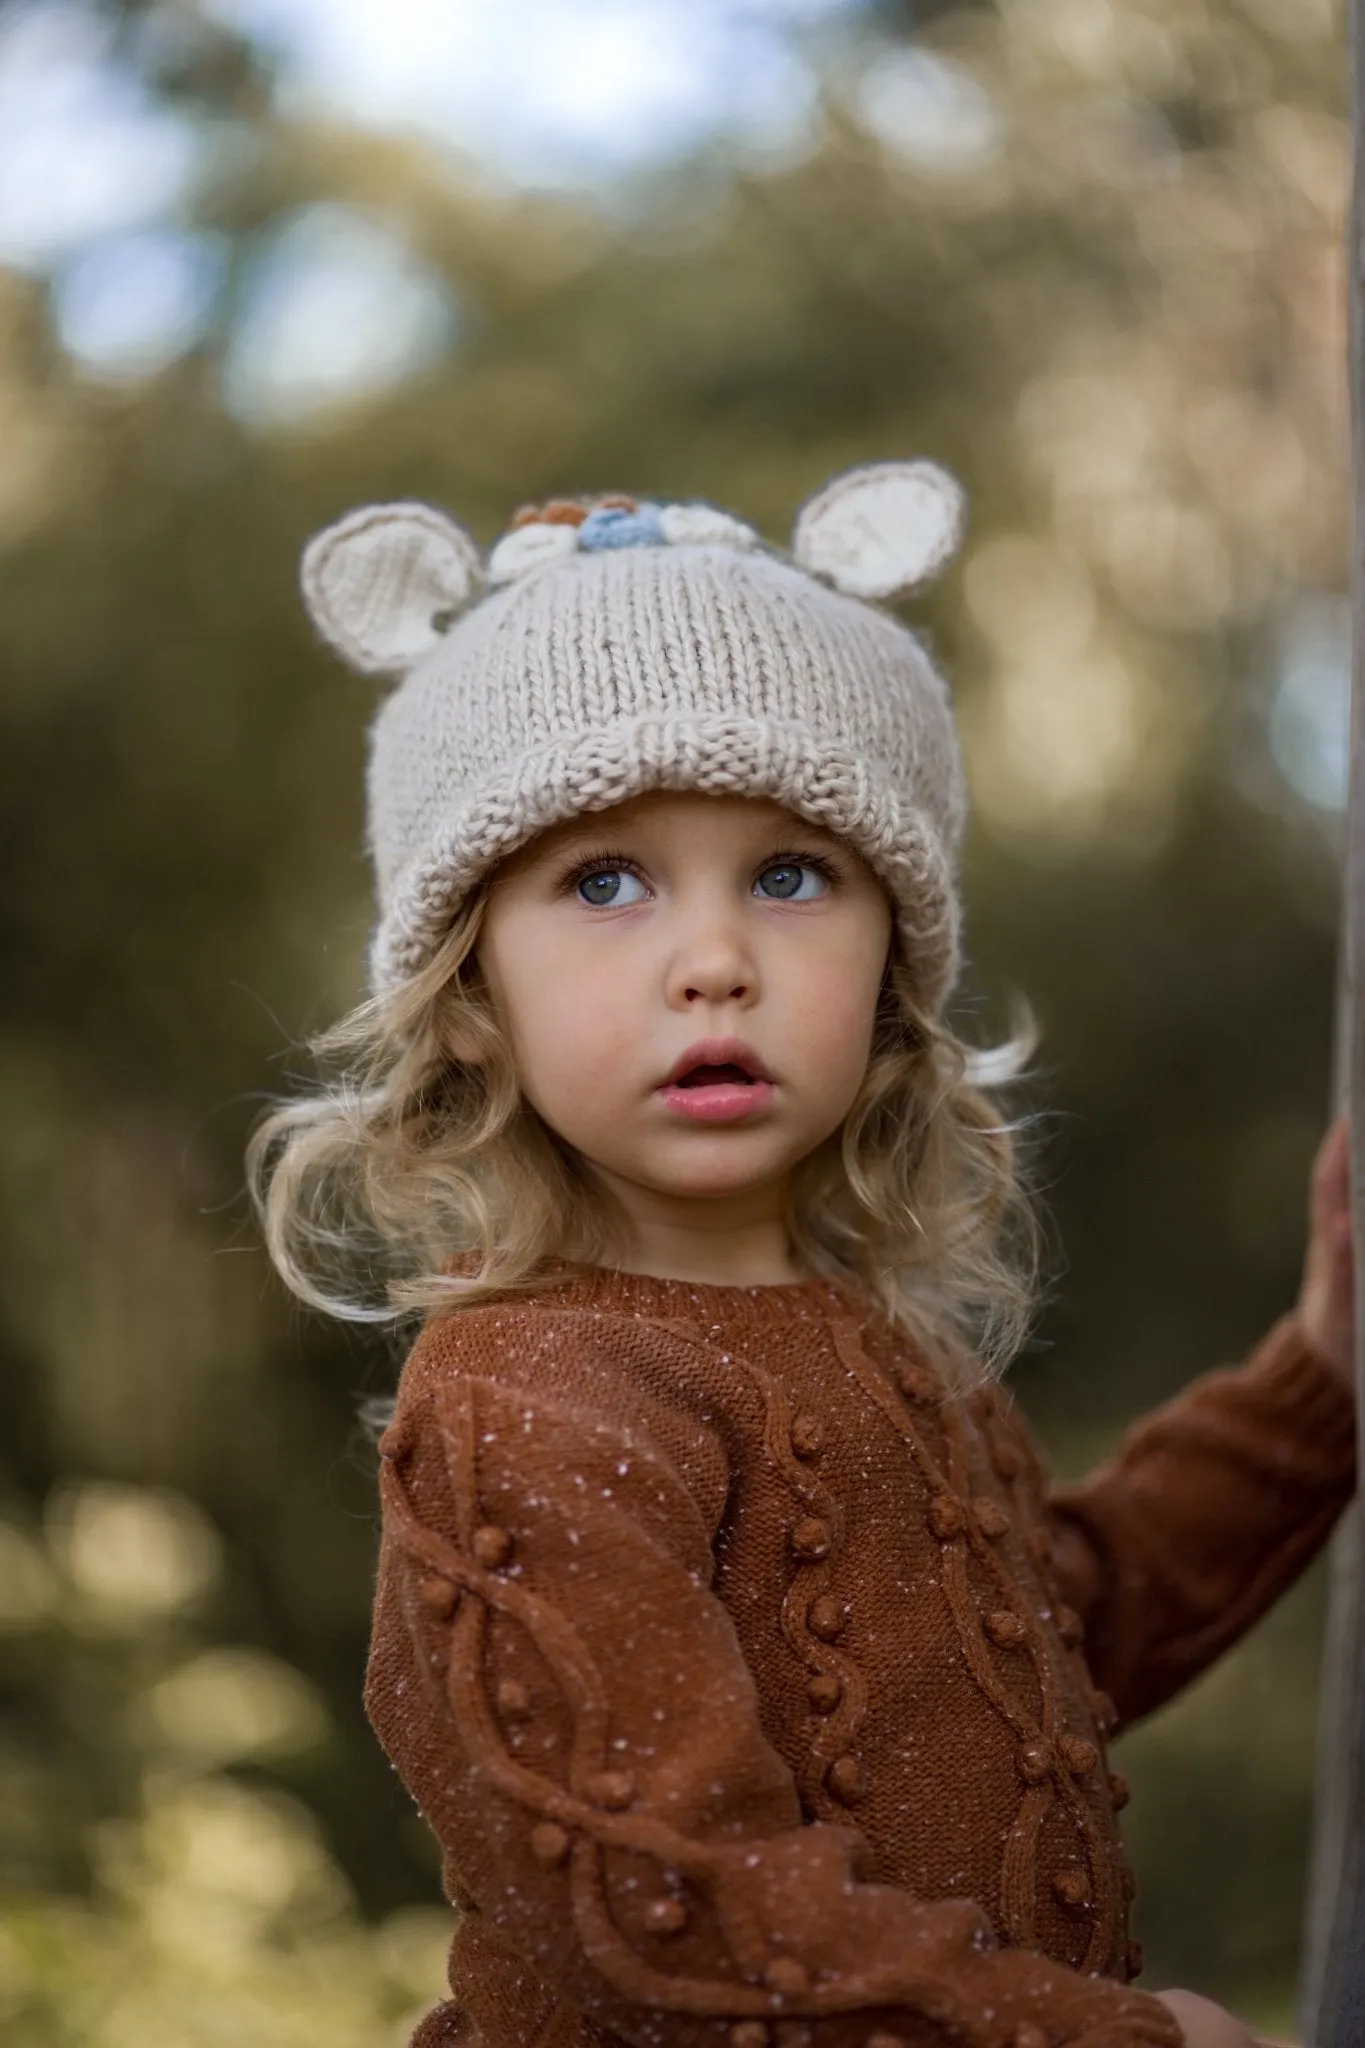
column 758, row 1692
column 604, row 675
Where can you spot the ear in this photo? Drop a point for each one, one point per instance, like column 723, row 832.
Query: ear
column 382, row 584
column 882, row 528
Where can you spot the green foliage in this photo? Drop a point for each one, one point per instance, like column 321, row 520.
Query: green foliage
column 1121, row 323
column 209, row 1907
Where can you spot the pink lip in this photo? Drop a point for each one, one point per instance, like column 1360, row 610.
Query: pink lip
column 718, row 1102
column 724, row 1102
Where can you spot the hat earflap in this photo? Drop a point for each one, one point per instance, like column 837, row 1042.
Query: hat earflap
column 382, row 584
column 883, row 528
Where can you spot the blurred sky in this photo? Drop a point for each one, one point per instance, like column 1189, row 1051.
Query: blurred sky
column 535, row 91
column 95, row 174
column 547, row 89
column 99, row 181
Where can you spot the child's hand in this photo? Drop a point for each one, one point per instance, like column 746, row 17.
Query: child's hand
column 1206, row 2025
column 1327, row 1297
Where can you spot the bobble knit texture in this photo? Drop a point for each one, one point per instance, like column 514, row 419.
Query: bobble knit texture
column 759, row 1694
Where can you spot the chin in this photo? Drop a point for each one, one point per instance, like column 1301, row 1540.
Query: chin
column 713, row 1181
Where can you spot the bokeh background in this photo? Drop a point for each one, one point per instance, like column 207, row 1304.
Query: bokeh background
column 261, row 260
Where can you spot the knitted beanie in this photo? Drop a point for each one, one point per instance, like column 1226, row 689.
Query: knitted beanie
column 609, row 649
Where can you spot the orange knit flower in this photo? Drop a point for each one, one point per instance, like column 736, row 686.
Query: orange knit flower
column 558, row 512
column 567, row 511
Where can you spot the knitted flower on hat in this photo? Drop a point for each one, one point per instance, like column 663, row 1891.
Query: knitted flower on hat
column 605, row 648
column 563, row 527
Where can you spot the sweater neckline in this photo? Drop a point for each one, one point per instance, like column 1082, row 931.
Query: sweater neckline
column 653, row 1294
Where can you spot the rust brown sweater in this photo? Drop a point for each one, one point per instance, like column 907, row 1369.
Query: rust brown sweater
column 758, row 1694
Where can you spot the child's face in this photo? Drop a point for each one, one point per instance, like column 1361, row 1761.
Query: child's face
column 614, row 944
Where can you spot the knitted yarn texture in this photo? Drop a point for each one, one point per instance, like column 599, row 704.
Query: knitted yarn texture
column 759, row 1694
column 603, row 652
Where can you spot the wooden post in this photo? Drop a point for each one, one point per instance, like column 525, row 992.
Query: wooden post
column 1332, row 1993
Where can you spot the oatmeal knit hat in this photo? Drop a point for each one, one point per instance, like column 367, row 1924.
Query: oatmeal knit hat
column 605, row 649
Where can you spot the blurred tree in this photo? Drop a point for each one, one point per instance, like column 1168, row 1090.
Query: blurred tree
column 1086, row 254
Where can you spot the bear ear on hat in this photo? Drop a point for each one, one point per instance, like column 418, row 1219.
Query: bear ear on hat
column 883, row 528
column 382, row 584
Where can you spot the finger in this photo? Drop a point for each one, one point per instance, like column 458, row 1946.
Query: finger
column 1335, row 1150
column 1332, row 1170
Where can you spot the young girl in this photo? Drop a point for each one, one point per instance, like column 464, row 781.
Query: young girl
column 727, row 1632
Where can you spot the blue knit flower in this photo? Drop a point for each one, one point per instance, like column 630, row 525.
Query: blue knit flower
column 612, row 526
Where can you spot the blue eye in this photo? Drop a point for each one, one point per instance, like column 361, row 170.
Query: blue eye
column 602, row 887
column 788, row 879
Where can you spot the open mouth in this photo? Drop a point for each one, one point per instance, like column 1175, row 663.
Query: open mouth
column 719, row 1091
column 713, row 1077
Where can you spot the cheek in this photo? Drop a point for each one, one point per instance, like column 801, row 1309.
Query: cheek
column 832, row 1003
column 836, row 1032
column 571, row 1018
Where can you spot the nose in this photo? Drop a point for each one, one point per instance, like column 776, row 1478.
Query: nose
column 711, row 964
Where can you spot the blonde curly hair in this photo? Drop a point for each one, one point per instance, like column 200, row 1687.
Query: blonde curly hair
column 410, row 1157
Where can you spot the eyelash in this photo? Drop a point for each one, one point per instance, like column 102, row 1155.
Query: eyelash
column 794, row 857
column 608, row 857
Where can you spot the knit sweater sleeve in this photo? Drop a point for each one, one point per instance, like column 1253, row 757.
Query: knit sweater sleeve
column 1210, row 1510
column 568, row 1702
